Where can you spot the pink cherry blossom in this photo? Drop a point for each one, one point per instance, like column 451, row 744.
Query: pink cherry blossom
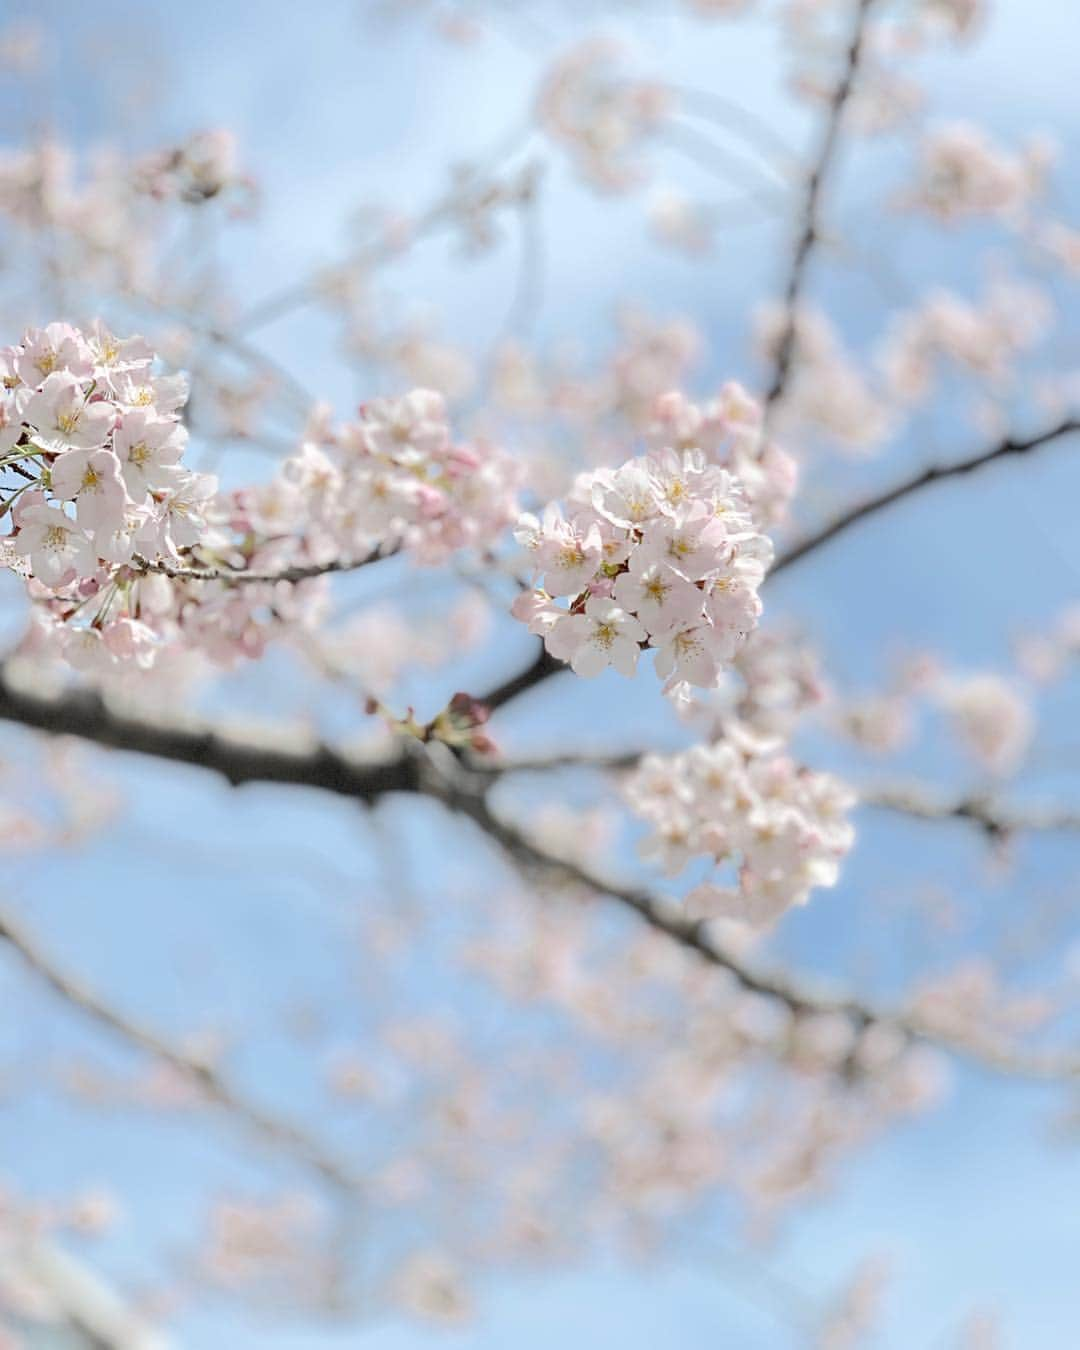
column 58, row 549
column 63, row 417
column 604, row 635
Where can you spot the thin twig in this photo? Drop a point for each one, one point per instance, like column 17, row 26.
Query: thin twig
column 937, row 473
column 997, row 819
column 811, row 210
column 281, row 1134
column 236, row 576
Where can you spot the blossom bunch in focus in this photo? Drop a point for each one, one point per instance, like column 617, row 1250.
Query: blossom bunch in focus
column 91, row 445
column 729, row 431
column 783, row 828
column 662, row 552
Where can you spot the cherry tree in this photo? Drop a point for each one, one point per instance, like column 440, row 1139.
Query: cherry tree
column 540, row 616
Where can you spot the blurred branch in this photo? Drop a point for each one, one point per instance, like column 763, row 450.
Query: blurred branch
column 570, row 759
column 102, row 1320
column 731, row 169
column 308, row 292
column 800, row 996
column 665, row 916
column 811, row 208
column 528, row 287
column 245, row 351
column 417, row 771
column 207, row 1079
column 543, row 666
column 444, row 213
column 996, row 819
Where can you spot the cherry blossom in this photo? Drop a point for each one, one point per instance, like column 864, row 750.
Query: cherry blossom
column 991, row 716
column 600, row 118
column 961, row 173
column 729, row 431
column 667, row 537
column 663, row 1057
column 57, row 547
column 782, row 829
column 92, row 478
column 396, row 477
column 602, row 635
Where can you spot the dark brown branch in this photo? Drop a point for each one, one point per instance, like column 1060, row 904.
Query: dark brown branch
column 543, row 666
column 665, row 916
column 84, row 714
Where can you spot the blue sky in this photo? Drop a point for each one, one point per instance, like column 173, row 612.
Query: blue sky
column 202, row 897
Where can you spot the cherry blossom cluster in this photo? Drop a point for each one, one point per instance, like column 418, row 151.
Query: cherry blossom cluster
column 167, row 620
column 781, row 679
column 128, row 553
column 827, row 390
column 990, row 717
column 662, row 552
column 729, row 431
column 784, row 828
column 984, row 338
column 681, row 223
column 395, row 477
column 599, row 116
column 962, row 174
column 1046, row 656
column 958, row 19
column 91, row 444
column 109, row 217
column 589, row 414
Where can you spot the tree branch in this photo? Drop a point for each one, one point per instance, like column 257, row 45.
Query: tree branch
column 544, row 666
column 95, row 1313
column 417, row 771
column 281, row 1134
column 870, row 506
column 809, row 216
column 85, row 714
column 799, row 996
column 233, row 576
column 997, row 819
